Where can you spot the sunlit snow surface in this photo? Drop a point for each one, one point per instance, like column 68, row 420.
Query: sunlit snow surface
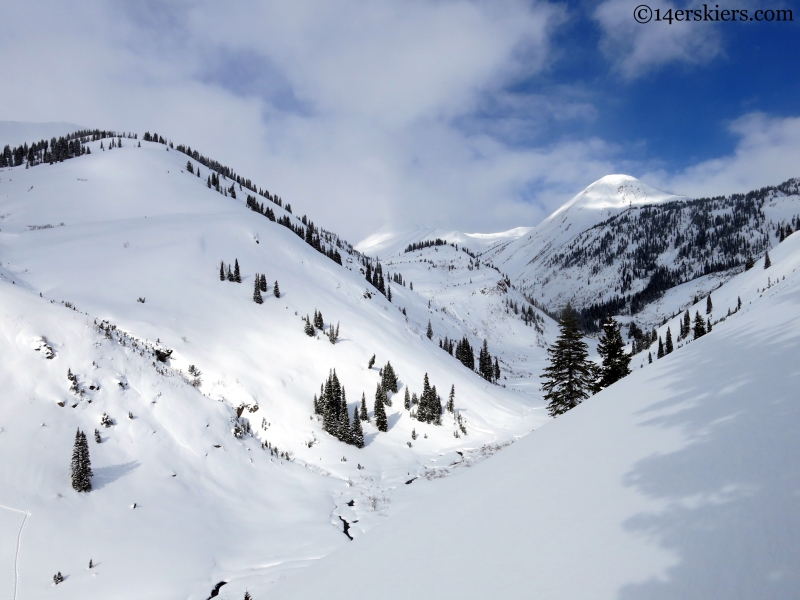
column 680, row 481
column 99, row 232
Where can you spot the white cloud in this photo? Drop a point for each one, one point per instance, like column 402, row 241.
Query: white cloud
column 768, row 153
column 360, row 114
column 349, row 110
column 637, row 48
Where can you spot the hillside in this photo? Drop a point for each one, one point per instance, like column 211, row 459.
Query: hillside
column 113, row 255
column 619, row 245
column 677, row 482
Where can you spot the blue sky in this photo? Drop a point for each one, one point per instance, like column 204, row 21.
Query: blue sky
column 471, row 114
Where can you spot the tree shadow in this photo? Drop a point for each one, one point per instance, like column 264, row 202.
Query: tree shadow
column 103, row 476
column 392, row 419
column 731, row 496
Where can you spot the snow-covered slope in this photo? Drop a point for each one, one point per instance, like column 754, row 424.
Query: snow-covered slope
column 679, row 481
column 80, row 243
column 619, row 245
column 387, row 242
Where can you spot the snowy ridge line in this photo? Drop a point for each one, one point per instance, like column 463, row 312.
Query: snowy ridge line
column 25, row 514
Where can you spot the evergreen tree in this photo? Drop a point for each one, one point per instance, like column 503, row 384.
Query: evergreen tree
column 229, row 275
column 257, row 291
column 364, row 416
column 767, row 261
column 389, row 293
column 318, row 322
column 436, row 407
column 222, row 270
column 407, row 400
column 263, row 283
column 616, row 362
column 568, row 379
column 485, row 368
column 81, row 465
column 380, row 412
column 356, row 432
column 389, row 379
column 451, row 400
column 344, row 420
column 650, row 358
column 429, row 331
column 332, row 406
column 371, row 362
column 237, row 277
column 276, row 290
column 699, row 326
column 708, row 325
column 686, row 325
column 424, row 410
column 465, row 354
column 709, row 306
column 660, row 348
column 496, row 370
column 749, row 263
column 308, row 328
column 668, row 345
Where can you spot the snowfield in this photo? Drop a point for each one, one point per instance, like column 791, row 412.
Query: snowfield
column 679, row 481
column 80, row 243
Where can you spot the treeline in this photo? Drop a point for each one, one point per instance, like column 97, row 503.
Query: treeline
column 700, row 237
column 55, row 150
column 310, row 234
column 74, row 144
column 425, row 244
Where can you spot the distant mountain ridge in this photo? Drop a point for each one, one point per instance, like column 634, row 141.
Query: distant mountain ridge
column 618, row 245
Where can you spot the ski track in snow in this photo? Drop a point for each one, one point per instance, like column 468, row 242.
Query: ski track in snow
column 25, row 514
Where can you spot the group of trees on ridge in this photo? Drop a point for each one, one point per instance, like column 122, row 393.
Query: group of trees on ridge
column 57, row 149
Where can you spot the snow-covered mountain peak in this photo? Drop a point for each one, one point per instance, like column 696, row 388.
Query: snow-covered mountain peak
column 612, row 193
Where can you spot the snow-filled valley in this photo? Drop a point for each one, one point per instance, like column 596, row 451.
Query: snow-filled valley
column 213, row 475
column 81, row 243
column 679, row 481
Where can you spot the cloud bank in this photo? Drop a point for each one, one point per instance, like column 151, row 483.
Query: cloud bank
column 364, row 114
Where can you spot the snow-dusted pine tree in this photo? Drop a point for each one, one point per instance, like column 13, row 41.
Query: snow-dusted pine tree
column 81, row 465
column 237, row 276
column 568, row 379
column 616, row 362
column 699, row 326
column 257, row 291
column 381, row 421
column 356, row 432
